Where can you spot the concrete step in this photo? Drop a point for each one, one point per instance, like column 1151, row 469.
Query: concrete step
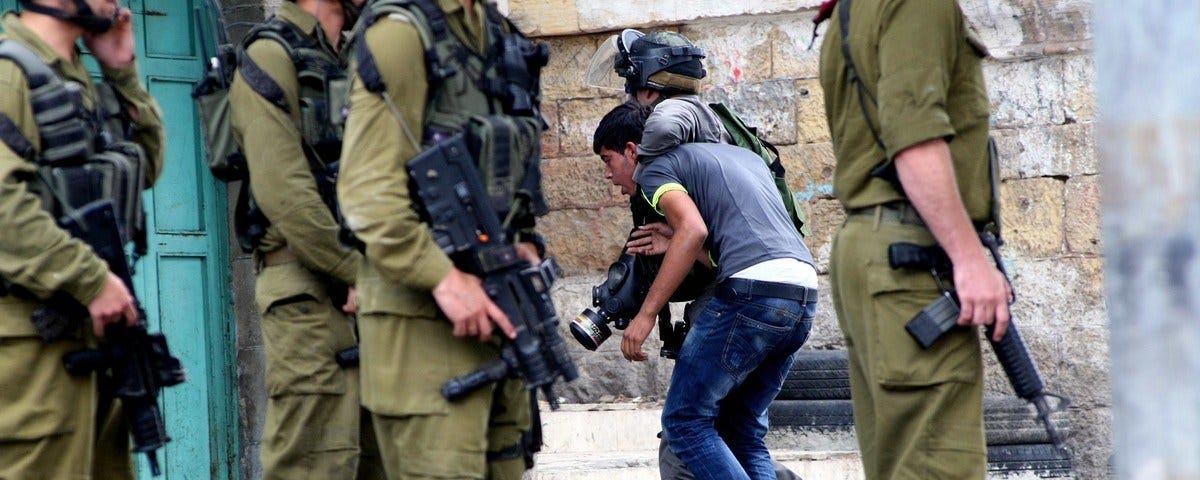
column 620, row 441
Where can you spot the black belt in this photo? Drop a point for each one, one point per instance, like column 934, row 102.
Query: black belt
column 762, row 288
column 896, row 212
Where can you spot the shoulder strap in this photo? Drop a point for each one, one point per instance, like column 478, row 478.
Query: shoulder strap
column 299, row 49
column 41, row 80
column 434, row 31
column 885, row 170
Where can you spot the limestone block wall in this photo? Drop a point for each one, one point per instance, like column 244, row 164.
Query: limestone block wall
column 1042, row 89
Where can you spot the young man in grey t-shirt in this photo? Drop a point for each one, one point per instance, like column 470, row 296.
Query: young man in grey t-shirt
column 726, row 214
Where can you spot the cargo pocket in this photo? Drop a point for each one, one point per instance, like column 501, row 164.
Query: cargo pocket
column 302, row 332
column 897, row 296
column 39, row 397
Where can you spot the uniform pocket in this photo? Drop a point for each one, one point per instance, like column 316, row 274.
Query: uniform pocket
column 897, row 296
column 39, row 397
column 302, row 331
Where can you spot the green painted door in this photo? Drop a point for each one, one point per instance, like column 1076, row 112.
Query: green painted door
column 183, row 282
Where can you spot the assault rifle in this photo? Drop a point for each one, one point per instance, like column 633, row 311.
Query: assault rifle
column 139, row 362
column 942, row 315
column 452, row 199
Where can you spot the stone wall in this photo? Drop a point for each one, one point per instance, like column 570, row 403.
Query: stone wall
column 1042, row 88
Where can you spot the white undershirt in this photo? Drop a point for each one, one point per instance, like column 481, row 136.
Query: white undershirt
column 781, row 270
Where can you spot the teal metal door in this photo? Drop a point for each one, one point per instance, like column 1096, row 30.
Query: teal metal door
column 184, row 280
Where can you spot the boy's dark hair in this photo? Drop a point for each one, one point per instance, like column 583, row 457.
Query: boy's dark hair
column 619, row 126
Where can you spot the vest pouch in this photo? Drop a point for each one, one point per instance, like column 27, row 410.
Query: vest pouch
column 337, row 90
column 114, row 174
column 66, row 134
column 224, row 157
column 316, row 130
column 507, row 151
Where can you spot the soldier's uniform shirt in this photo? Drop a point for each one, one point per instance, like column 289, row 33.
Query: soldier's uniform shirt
column 408, row 351
column 313, row 414
column 918, row 413
column 922, row 63
column 48, row 417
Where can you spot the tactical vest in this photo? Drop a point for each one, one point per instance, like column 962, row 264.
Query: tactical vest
column 494, row 99
column 323, row 95
column 85, row 155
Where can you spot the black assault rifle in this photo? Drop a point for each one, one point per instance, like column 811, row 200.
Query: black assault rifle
column 942, row 315
column 135, row 363
column 452, row 199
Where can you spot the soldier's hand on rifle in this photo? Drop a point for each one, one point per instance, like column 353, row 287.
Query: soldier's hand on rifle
column 529, row 252
column 650, row 239
column 462, row 299
column 113, row 48
column 983, row 295
column 112, row 305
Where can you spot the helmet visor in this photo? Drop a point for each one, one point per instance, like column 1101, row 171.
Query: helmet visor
column 602, row 71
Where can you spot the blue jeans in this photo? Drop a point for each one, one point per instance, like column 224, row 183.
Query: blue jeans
column 730, row 368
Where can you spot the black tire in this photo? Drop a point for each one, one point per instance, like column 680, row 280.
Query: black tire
column 1042, row 459
column 1013, row 421
column 817, row 375
column 811, row 413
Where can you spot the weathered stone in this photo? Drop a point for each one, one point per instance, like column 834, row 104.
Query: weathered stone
column 1066, row 20
column 1025, row 93
column 585, row 240
column 1032, row 212
column 1079, row 84
column 1083, row 215
column 735, row 51
column 552, row 137
column 578, row 120
column 1058, row 150
column 766, row 105
column 578, row 183
column 809, row 169
column 1008, row 28
column 616, row 14
column 544, row 17
column 825, row 216
column 569, row 59
column 791, row 56
column 1092, row 441
column 811, row 125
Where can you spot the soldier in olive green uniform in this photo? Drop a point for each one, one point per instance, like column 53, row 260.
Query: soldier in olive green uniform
column 54, row 425
column 423, row 321
column 918, row 120
column 314, row 427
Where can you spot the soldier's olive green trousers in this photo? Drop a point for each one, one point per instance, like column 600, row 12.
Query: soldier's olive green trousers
column 405, row 362
column 54, row 425
column 315, row 427
column 918, row 413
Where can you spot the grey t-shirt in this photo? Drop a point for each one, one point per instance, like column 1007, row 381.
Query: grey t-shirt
column 678, row 120
column 736, row 197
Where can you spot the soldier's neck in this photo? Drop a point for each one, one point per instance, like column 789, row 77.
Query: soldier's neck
column 61, row 35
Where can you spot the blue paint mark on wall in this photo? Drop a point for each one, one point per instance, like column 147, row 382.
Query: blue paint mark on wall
column 811, row 190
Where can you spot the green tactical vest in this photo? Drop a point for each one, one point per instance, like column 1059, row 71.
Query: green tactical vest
column 323, row 96
column 499, row 112
column 85, row 155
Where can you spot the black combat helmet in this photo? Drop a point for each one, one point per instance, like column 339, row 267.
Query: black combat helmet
column 84, row 16
column 662, row 60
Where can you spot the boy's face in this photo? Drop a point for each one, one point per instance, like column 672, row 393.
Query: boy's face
column 618, row 166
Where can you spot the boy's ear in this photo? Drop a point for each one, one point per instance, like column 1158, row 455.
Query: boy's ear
column 631, row 150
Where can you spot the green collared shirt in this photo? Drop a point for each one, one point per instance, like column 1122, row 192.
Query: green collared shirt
column 34, row 252
column 280, row 175
column 923, row 64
